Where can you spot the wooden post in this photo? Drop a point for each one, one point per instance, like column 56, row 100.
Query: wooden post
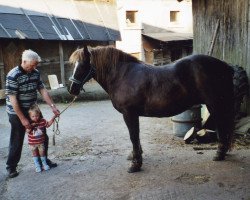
column 2, row 77
column 210, row 51
column 61, row 63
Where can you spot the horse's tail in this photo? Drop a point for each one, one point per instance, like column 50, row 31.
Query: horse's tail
column 241, row 90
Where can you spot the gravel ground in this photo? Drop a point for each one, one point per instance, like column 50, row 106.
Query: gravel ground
column 91, row 153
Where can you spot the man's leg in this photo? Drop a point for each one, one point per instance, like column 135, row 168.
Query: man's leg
column 15, row 145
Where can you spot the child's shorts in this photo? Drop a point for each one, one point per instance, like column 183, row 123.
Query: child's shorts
column 39, row 147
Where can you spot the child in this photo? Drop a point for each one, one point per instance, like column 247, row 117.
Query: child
column 36, row 136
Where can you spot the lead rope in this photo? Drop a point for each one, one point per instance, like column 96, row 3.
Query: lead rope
column 55, row 129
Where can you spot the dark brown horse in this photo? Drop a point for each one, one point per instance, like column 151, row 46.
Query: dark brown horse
column 138, row 89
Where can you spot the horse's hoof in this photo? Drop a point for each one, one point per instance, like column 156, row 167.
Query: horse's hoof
column 135, row 166
column 133, row 169
column 219, row 156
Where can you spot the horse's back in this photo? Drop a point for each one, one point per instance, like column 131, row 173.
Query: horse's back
column 210, row 64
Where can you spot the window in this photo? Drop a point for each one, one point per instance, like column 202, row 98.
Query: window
column 174, row 16
column 131, row 18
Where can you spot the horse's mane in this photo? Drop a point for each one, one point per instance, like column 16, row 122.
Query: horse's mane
column 104, row 59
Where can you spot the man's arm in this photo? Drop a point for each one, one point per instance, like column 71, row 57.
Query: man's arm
column 14, row 102
column 48, row 100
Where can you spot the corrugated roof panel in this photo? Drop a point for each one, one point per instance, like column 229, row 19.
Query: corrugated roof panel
column 45, row 26
column 97, row 33
column 13, row 22
column 69, row 28
column 3, row 34
column 170, row 36
column 115, row 34
column 81, row 27
column 59, row 20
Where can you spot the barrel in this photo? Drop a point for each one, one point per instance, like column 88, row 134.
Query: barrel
column 186, row 120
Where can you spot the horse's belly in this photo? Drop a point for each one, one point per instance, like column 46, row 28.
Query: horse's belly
column 165, row 109
column 162, row 111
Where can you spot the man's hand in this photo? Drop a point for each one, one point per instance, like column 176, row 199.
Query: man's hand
column 49, row 101
column 55, row 110
column 25, row 122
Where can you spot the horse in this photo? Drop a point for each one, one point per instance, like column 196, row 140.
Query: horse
column 139, row 89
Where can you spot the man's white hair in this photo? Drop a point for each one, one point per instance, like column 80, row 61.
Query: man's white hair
column 29, row 55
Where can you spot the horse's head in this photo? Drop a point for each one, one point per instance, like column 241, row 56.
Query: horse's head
column 83, row 70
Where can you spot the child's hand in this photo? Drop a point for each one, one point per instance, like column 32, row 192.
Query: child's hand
column 27, row 130
column 51, row 121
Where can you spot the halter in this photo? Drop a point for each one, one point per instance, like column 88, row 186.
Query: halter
column 90, row 74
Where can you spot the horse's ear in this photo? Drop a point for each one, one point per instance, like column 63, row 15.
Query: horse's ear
column 86, row 52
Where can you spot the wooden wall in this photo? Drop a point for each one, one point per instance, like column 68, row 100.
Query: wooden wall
column 161, row 53
column 232, row 43
column 49, row 51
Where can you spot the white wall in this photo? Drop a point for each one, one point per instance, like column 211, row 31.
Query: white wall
column 155, row 13
column 131, row 36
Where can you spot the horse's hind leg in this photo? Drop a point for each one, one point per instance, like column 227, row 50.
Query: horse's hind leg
column 224, row 120
column 132, row 122
column 225, row 131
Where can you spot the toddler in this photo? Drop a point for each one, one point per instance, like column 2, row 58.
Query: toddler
column 36, row 137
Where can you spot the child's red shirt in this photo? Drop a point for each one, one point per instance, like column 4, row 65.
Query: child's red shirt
column 37, row 133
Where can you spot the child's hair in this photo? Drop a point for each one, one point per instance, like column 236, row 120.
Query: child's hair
column 35, row 108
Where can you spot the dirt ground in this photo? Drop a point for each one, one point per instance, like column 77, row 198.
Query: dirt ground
column 91, row 153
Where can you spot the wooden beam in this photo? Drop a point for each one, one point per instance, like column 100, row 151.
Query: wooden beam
column 2, row 74
column 61, row 63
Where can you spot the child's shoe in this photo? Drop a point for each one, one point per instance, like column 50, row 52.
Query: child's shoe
column 38, row 169
column 37, row 165
column 46, row 167
column 44, row 163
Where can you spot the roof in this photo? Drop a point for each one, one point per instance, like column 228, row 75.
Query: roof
column 169, row 36
column 166, row 34
column 59, row 20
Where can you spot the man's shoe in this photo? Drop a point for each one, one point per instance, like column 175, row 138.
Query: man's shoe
column 12, row 173
column 51, row 164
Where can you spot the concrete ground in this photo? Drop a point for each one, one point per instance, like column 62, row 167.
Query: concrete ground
column 91, row 152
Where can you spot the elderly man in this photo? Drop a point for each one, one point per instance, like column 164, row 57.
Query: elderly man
column 22, row 84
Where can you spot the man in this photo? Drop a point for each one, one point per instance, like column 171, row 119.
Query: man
column 22, row 84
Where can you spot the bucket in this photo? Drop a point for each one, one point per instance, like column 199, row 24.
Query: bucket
column 186, row 120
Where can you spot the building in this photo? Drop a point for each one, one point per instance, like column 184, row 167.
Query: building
column 152, row 29
column 54, row 29
column 229, row 24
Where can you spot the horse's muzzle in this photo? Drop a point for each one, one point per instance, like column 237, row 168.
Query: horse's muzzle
column 74, row 89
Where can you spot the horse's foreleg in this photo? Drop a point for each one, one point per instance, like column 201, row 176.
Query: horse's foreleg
column 132, row 122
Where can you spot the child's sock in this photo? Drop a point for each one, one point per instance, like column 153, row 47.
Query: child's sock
column 37, row 165
column 45, row 165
